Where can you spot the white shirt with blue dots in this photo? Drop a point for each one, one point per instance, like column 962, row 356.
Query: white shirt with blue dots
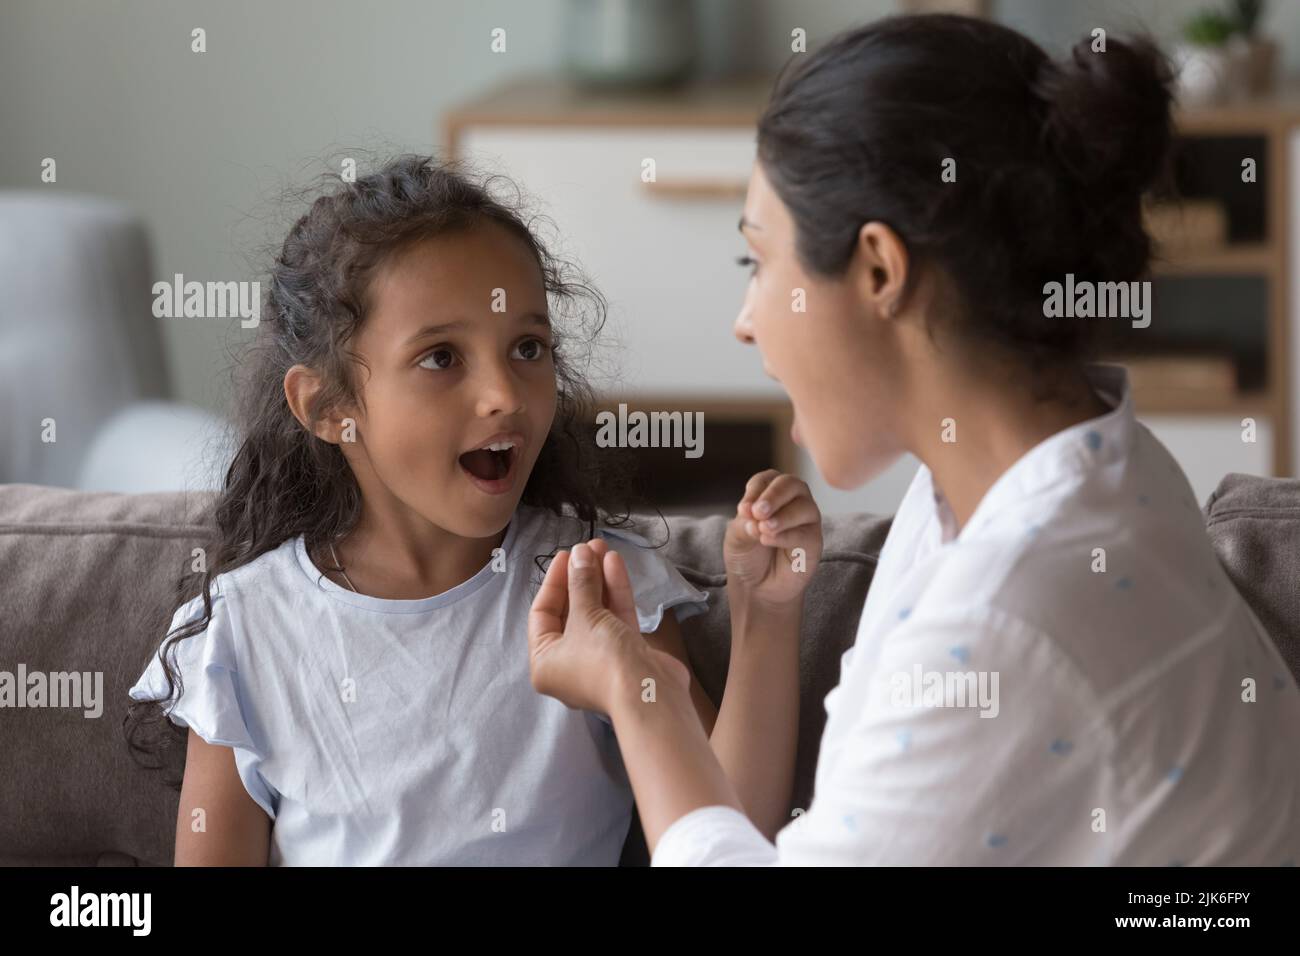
column 1070, row 680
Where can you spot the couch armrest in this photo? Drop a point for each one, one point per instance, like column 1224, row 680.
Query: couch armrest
column 158, row 446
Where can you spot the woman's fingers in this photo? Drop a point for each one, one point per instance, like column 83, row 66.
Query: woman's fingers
column 777, row 494
column 617, row 583
column 551, row 605
column 753, row 489
column 618, row 590
column 590, row 577
column 794, row 538
column 795, row 514
column 586, row 581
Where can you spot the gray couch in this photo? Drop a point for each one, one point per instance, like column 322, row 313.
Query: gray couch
column 85, row 579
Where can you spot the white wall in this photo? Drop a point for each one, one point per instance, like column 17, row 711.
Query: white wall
column 201, row 144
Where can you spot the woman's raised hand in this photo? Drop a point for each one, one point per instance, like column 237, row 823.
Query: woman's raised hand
column 583, row 637
column 774, row 542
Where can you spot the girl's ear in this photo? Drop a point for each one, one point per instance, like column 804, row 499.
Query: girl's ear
column 301, row 386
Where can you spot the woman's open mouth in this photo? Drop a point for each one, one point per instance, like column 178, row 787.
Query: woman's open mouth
column 492, row 468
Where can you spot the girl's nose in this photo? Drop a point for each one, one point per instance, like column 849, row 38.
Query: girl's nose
column 500, row 392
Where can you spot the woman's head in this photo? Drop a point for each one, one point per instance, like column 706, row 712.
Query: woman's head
column 919, row 180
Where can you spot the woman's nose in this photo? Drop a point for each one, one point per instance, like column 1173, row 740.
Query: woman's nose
column 744, row 332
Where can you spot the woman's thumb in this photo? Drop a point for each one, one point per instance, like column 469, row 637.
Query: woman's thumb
column 621, row 600
column 585, row 580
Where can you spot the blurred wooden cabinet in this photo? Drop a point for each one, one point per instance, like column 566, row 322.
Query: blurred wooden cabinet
column 1219, row 356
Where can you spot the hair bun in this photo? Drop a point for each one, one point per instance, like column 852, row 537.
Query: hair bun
column 1108, row 114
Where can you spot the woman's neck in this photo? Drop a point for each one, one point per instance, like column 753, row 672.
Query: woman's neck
column 994, row 423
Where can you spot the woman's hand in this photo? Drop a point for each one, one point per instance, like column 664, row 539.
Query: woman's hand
column 772, row 546
column 584, row 645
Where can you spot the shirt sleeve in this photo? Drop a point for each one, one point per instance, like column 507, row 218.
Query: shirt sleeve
column 211, row 700
column 714, row 836
column 935, row 768
column 656, row 584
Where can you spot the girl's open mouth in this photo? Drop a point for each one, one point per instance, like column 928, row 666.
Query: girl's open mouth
column 491, row 469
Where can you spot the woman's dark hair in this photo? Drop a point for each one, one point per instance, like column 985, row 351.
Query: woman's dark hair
column 1051, row 161
column 284, row 481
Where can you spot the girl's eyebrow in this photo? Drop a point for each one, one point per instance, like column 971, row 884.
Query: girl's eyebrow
column 531, row 318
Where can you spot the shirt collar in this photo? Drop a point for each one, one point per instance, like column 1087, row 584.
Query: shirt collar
column 1056, row 464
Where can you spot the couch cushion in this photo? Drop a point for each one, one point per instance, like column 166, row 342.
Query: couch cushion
column 88, row 585
column 84, row 587
column 1255, row 526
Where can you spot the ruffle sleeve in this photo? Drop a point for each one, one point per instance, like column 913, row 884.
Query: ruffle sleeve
column 656, row 584
column 212, row 701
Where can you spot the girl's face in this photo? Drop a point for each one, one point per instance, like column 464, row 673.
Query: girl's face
column 824, row 341
column 458, row 344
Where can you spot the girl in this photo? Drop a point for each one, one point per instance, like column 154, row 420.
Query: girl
column 351, row 669
column 1104, row 695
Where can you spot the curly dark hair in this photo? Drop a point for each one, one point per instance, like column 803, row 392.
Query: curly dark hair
column 284, row 481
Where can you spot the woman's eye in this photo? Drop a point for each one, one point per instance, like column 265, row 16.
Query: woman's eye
column 437, row 356
column 531, row 350
column 748, row 261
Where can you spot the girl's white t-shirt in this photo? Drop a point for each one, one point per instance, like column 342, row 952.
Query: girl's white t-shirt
column 407, row 732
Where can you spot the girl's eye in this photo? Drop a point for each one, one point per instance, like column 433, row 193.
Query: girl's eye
column 748, row 261
column 532, row 349
column 437, row 355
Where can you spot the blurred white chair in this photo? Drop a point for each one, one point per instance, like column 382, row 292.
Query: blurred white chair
column 80, row 347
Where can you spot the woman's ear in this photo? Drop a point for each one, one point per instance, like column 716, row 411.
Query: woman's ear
column 880, row 268
column 301, row 385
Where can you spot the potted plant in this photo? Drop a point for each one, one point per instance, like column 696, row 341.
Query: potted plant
column 1203, row 58
column 1254, row 56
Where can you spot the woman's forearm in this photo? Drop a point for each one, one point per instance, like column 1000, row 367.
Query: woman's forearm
column 667, row 756
column 757, row 729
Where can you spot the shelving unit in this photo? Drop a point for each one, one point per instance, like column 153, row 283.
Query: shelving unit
column 1269, row 123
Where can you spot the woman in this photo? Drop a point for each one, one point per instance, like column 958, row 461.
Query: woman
column 1051, row 666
